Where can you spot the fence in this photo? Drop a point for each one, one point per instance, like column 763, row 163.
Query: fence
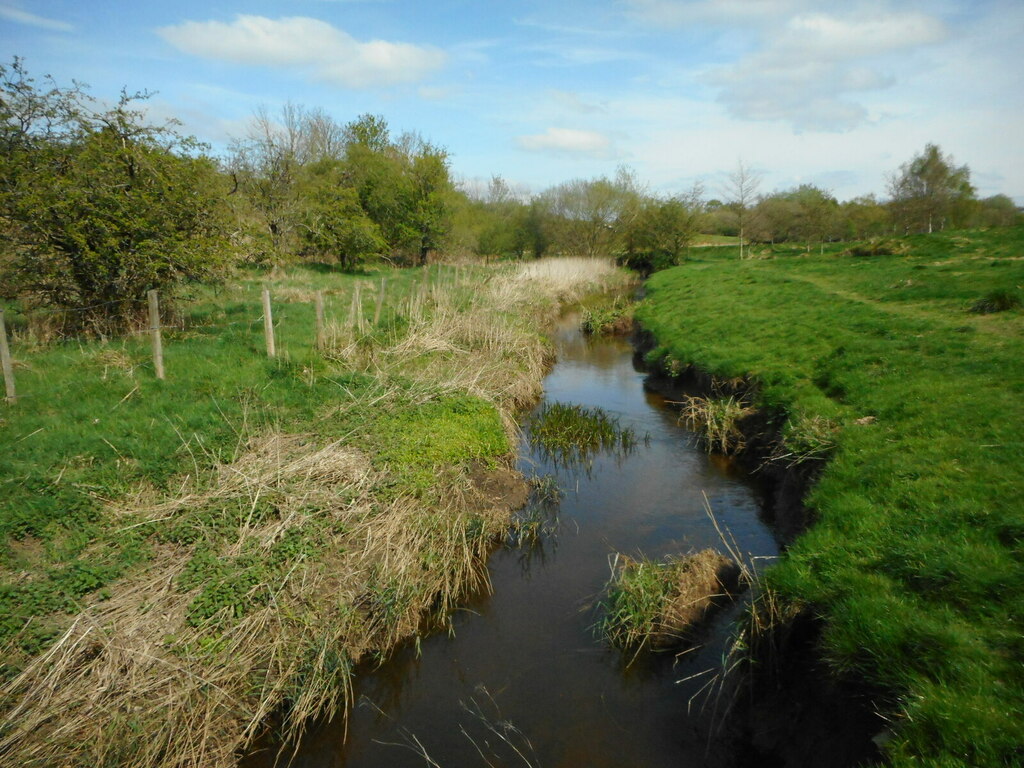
column 357, row 321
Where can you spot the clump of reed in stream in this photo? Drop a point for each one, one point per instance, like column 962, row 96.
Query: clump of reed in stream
column 717, row 421
column 573, row 434
column 655, row 604
column 608, row 321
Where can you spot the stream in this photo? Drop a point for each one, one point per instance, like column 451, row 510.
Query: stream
column 521, row 679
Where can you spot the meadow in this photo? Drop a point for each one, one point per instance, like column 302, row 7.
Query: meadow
column 890, row 361
column 185, row 558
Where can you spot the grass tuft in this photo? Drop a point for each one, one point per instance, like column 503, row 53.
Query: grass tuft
column 658, row 604
column 572, row 434
column 1000, row 300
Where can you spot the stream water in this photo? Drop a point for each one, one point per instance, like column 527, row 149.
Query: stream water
column 522, row 679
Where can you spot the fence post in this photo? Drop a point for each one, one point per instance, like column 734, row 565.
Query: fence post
column 319, row 319
column 5, row 360
column 268, row 324
column 154, row 332
column 380, row 301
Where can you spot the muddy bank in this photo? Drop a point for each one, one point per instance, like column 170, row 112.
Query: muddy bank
column 786, row 485
column 789, row 708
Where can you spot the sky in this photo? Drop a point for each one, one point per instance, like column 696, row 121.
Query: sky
column 837, row 94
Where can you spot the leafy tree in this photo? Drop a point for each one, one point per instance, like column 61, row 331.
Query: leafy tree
column 931, row 191
column 267, row 167
column 333, row 224
column 864, row 217
column 662, row 230
column 429, row 191
column 998, row 211
column 97, row 205
column 591, row 215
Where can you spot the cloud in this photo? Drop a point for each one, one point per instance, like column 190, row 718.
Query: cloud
column 567, row 141
column 32, row 20
column 310, row 46
column 808, row 63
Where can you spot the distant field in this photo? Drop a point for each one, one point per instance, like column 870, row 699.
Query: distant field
column 915, row 562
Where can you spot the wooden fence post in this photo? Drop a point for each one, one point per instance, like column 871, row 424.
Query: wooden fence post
column 319, row 319
column 154, row 332
column 5, row 361
column 268, row 324
column 380, row 302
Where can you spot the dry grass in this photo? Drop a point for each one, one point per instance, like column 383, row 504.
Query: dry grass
column 143, row 680
column 134, row 682
column 659, row 604
column 717, row 421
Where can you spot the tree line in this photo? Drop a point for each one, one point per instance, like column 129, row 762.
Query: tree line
column 98, row 204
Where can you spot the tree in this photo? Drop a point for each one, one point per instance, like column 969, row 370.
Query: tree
column 998, row 211
column 931, row 191
column 662, row 230
column 864, row 217
column 267, row 167
column 741, row 192
column 333, row 224
column 99, row 206
column 590, row 215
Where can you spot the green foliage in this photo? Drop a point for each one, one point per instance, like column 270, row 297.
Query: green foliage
column 931, row 192
column 333, row 223
column 99, row 206
column 914, row 561
column 616, row 317
column 634, row 601
column 571, row 433
column 416, row 440
column 658, row 234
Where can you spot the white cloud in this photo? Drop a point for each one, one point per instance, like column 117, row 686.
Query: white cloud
column 311, row 46
column 567, row 140
column 32, row 20
column 807, row 63
column 810, row 68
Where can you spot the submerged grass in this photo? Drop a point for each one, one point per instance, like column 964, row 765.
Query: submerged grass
column 915, row 560
column 184, row 558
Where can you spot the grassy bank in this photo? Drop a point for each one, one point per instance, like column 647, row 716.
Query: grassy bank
column 183, row 558
column 891, row 366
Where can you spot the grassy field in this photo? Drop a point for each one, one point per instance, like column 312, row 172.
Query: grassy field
column 892, row 366
column 183, row 558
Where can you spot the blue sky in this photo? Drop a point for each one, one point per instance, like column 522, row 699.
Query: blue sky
column 833, row 93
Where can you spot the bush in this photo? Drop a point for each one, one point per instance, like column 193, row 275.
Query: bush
column 97, row 206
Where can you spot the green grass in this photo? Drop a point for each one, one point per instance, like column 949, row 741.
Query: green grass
column 915, row 561
column 93, row 424
column 571, row 433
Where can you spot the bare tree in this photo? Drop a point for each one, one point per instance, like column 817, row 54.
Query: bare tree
column 741, row 192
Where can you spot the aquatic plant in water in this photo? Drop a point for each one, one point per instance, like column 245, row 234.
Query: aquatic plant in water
column 572, row 434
